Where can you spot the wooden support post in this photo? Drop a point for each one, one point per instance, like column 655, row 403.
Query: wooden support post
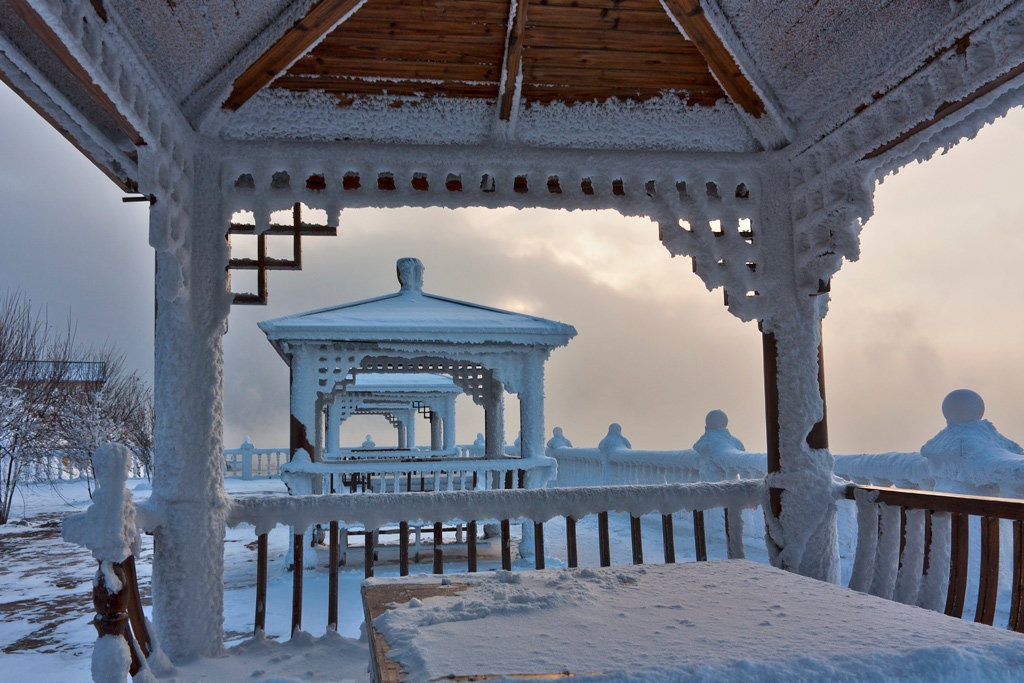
column 438, row 552
column 403, row 548
column 506, row 545
column 538, row 544
column 668, row 539
column 332, row 576
column 700, row 544
column 959, row 547
column 604, row 547
column 297, row 543
column 471, row 545
column 368, row 553
column 260, row 620
column 570, row 541
column 1017, row 596
column 636, row 540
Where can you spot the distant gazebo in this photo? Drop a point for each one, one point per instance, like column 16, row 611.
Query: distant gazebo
column 399, row 398
column 485, row 351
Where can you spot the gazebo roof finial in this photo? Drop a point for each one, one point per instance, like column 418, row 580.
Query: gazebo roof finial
column 410, row 274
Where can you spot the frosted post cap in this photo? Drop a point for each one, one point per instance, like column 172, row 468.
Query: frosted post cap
column 716, row 419
column 410, row 274
column 963, row 405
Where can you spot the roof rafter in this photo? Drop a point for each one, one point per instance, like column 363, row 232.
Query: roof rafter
column 513, row 58
column 304, row 34
column 689, row 15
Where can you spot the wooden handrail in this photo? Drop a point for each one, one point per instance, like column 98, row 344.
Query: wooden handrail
column 959, row 508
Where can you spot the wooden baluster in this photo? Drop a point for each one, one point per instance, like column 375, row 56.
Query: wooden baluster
column 508, row 479
column 538, row 544
column 408, row 481
column 522, row 478
column 368, row 553
column 602, row 539
column 903, row 536
column 570, row 541
column 927, row 541
column 403, row 548
column 260, row 620
column 636, row 540
column 112, row 610
column 988, row 575
column 1017, row 597
column 471, row 546
column 298, row 541
column 332, row 576
column 506, row 545
column 438, row 553
column 957, row 564
column 668, row 539
column 700, row 543
column 136, row 617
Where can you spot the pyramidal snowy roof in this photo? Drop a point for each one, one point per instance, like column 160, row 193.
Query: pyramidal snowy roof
column 412, row 315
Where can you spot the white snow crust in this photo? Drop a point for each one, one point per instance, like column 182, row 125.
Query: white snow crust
column 704, row 621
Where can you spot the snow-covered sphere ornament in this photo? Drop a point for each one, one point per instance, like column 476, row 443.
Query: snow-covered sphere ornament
column 963, row 405
column 716, row 419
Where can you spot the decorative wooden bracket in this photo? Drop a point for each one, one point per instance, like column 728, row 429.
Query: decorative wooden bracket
column 513, row 58
column 263, row 263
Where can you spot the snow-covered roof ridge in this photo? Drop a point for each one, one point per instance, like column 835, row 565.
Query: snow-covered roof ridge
column 412, row 314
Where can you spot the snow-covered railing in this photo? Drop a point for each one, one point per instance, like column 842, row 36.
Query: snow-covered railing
column 716, row 456
column 248, row 462
column 474, row 508
column 415, row 474
column 914, row 547
column 108, row 528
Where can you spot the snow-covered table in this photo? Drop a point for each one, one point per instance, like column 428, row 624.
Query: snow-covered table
column 724, row 620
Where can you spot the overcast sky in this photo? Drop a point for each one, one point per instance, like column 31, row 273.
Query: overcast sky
column 933, row 305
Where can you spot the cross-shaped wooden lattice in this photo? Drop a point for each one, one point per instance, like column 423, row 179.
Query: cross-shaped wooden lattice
column 263, row 263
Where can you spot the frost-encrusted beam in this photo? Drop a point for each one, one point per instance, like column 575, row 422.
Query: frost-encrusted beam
column 689, row 15
column 46, row 34
column 298, row 39
column 53, row 107
column 512, row 71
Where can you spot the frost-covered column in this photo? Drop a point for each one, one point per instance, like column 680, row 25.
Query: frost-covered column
column 303, row 402
column 410, row 427
column 448, row 422
column 531, row 407
column 403, row 435
column 494, row 420
column 805, row 228
column 332, row 428
column 192, row 303
column 436, row 435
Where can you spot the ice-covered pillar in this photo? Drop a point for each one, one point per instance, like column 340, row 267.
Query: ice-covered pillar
column 531, row 408
column 448, row 422
column 192, row 304
column 494, row 420
column 403, row 434
column 410, row 427
column 436, row 431
column 331, row 428
column 302, row 400
column 798, row 254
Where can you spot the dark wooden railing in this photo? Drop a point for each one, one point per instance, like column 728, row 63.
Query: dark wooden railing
column 493, row 506
column 119, row 612
column 941, row 524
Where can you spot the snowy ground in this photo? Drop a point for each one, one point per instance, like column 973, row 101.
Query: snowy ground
column 45, row 613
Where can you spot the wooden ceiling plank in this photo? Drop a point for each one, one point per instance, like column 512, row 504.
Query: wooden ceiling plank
column 46, row 34
column 695, row 25
column 533, row 94
column 342, row 86
column 395, row 49
column 305, row 33
column 655, row 62
column 640, row 76
column 513, row 58
column 397, row 69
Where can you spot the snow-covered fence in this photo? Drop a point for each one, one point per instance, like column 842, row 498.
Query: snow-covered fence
column 476, row 508
column 716, row 456
column 968, row 456
column 248, row 462
column 395, row 476
column 914, row 547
